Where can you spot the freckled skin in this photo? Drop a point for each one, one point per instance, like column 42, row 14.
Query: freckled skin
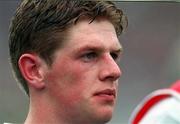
column 74, row 77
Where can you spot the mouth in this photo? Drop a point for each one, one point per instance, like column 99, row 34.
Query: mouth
column 109, row 94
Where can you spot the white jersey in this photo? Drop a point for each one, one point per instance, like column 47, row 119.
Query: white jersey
column 160, row 107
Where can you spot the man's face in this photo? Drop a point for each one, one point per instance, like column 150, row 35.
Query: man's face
column 82, row 81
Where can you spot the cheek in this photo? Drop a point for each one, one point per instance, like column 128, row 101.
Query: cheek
column 66, row 73
column 67, row 82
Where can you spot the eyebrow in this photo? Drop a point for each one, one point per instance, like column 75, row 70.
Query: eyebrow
column 97, row 48
column 89, row 48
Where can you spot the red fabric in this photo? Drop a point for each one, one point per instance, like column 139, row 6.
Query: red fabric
column 176, row 86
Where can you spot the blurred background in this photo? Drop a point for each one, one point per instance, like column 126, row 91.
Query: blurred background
column 151, row 58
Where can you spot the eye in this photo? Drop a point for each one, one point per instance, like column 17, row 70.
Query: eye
column 115, row 56
column 89, row 56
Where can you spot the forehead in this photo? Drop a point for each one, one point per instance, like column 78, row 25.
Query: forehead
column 100, row 33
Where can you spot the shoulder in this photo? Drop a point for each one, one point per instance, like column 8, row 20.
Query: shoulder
column 166, row 111
column 160, row 105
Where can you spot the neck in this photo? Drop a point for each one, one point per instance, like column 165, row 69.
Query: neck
column 42, row 111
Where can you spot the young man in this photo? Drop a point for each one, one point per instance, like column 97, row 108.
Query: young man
column 64, row 54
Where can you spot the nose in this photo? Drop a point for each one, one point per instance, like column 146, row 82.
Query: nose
column 109, row 69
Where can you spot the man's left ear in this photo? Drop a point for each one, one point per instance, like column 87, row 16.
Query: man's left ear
column 33, row 68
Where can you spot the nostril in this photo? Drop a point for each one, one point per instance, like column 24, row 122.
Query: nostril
column 110, row 73
column 116, row 74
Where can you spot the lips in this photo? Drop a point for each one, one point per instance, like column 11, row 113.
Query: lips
column 106, row 92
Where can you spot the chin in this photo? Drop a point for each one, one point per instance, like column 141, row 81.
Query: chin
column 104, row 116
column 107, row 117
column 104, row 120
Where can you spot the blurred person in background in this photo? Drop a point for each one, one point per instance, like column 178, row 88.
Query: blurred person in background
column 160, row 107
